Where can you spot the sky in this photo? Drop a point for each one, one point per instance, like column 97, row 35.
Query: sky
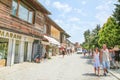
column 77, row 16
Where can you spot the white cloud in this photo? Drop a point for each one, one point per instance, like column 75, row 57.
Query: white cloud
column 103, row 7
column 83, row 2
column 75, row 28
column 104, row 11
column 109, row 1
column 102, row 16
column 74, row 19
column 63, row 7
column 59, row 21
column 79, row 11
column 47, row 2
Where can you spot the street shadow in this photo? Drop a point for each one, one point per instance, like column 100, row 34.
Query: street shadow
column 89, row 74
column 94, row 75
column 88, row 58
column 89, row 62
column 116, row 70
column 85, row 57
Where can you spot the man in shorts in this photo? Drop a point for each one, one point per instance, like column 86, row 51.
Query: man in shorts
column 105, row 56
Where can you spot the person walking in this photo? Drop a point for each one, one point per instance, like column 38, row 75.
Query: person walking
column 63, row 51
column 112, row 56
column 105, row 56
column 96, row 61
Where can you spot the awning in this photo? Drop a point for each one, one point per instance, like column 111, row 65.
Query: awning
column 52, row 40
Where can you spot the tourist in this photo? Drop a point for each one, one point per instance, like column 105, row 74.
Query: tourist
column 97, row 61
column 105, row 59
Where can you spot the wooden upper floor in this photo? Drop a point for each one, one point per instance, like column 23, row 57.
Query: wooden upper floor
column 23, row 16
column 54, row 30
column 64, row 37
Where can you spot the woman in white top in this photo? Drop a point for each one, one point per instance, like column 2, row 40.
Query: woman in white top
column 97, row 61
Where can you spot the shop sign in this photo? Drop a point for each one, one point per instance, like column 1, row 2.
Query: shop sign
column 7, row 34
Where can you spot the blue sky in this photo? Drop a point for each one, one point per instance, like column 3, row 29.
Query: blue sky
column 76, row 16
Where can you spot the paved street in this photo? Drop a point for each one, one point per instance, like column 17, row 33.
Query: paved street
column 73, row 67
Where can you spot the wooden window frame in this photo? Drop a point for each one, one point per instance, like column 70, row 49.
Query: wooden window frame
column 17, row 11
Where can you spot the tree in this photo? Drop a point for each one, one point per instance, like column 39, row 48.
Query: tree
column 91, row 38
column 95, row 38
column 109, row 33
column 86, row 35
column 116, row 13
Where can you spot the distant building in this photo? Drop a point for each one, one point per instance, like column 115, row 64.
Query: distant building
column 77, row 45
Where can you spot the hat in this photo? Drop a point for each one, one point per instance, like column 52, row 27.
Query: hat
column 116, row 48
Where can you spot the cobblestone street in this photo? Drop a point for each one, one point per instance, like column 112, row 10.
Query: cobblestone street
column 73, row 67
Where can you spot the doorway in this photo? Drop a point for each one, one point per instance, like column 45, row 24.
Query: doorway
column 16, row 57
column 25, row 51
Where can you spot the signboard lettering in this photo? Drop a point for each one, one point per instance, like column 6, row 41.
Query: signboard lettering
column 9, row 34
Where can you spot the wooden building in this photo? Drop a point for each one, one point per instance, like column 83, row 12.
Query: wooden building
column 21, row 28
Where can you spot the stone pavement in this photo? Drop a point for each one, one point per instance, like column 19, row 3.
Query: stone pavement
column 73, row 67
column 115, row 72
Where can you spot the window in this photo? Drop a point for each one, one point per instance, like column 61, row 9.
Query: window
column 45, row 29
column 30, row 18
column 20, row 10
column 23, row 13
column 64, row 38
column 14, row 7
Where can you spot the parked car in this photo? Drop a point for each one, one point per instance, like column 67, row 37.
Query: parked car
column 79, row 50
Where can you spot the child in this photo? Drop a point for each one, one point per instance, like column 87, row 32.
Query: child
column 96, row 61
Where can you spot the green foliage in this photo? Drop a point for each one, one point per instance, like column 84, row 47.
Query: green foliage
column 116, row 13
column 91, row 38
column 86, row 35
column 85, row 45
column 94, row 40
column 108, row 33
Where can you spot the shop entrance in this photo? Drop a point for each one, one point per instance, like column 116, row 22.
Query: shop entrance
column 25, row 51
column 16, row 58
column 37, row 49
column 3, row 51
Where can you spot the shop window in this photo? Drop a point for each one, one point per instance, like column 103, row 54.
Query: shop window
column 3, row 51
column 19, row 9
